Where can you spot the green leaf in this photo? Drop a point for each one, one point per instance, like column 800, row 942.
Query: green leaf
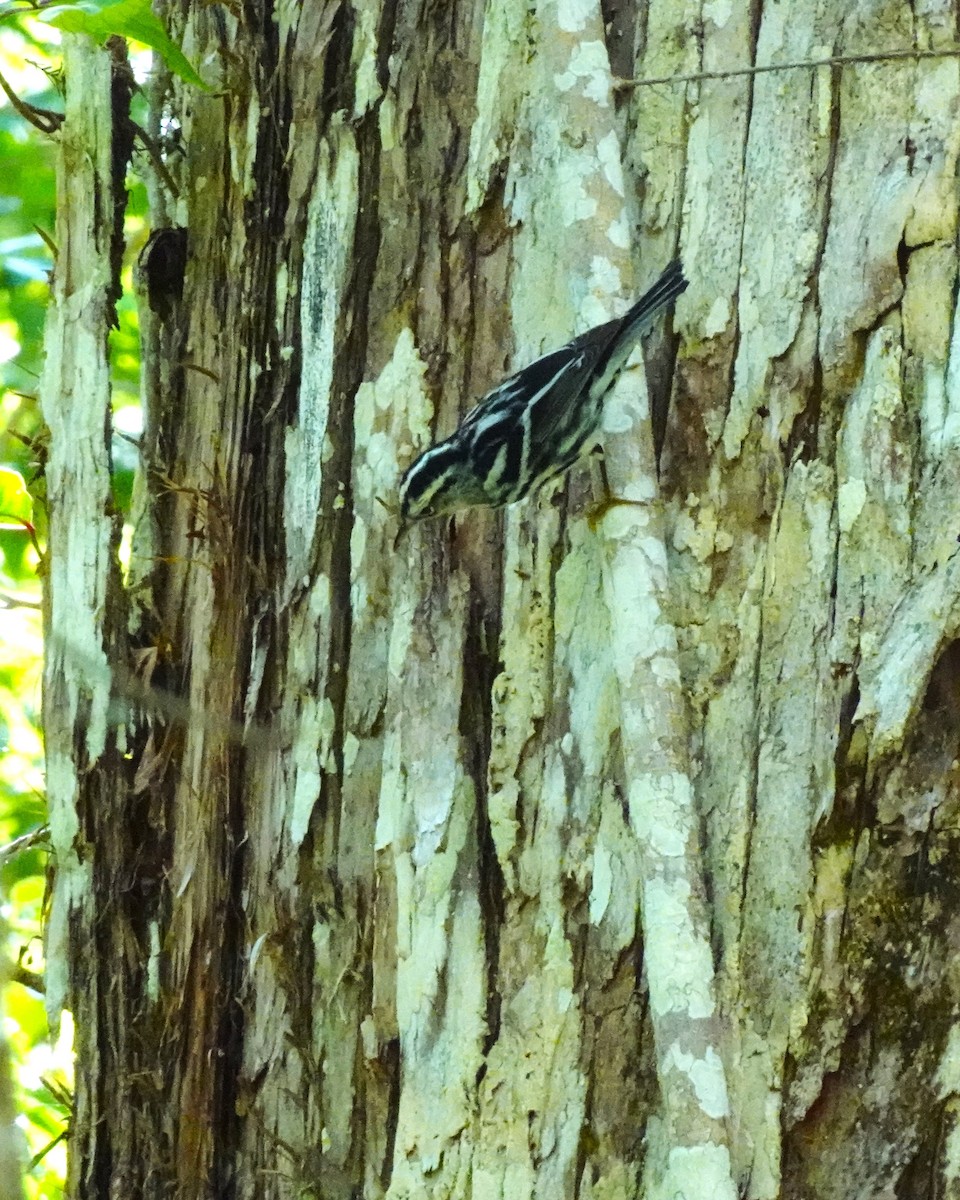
column 16, row 507
column 130, row 19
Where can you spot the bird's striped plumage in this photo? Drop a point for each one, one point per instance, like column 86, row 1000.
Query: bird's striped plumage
column 534, row 425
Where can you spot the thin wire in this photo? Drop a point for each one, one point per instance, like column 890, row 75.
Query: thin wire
column 837, row 60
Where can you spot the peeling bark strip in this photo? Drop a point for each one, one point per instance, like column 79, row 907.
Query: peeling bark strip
column 567, row 855
column 85, row 614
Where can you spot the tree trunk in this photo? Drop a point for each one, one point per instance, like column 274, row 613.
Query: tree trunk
column 603, row 847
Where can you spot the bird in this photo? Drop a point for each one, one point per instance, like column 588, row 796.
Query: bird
column 534, row 425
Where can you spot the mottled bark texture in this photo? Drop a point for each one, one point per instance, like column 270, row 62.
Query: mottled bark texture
column 589, row 849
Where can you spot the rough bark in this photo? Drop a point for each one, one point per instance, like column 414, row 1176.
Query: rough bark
column 588, row 851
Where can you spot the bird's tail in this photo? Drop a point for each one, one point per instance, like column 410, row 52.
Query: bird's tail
column 623, row 335
column 667, row 288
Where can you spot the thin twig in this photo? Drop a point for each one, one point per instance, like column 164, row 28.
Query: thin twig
column 836, row 60
column 7, row 602
column 13, row 10
column 48, row 241
column 45, row 119
column 31, row 979
column 156, row 158
column 35, row 838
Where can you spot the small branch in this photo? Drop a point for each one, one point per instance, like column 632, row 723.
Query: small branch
column 7, row 602
column 47, row 241
column 42, row 1154
column 836, row 60
column 45, row 119
column 10, row 521
column 35, row 838
column 17, row 10
column 155, row 157
column 30, row 979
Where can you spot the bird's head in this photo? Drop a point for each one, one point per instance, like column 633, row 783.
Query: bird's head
column 441, row 481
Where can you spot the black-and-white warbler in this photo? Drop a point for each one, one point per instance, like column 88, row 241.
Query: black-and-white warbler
column 534, row 425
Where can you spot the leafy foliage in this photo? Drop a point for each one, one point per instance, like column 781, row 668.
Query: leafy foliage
column 130, row 19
